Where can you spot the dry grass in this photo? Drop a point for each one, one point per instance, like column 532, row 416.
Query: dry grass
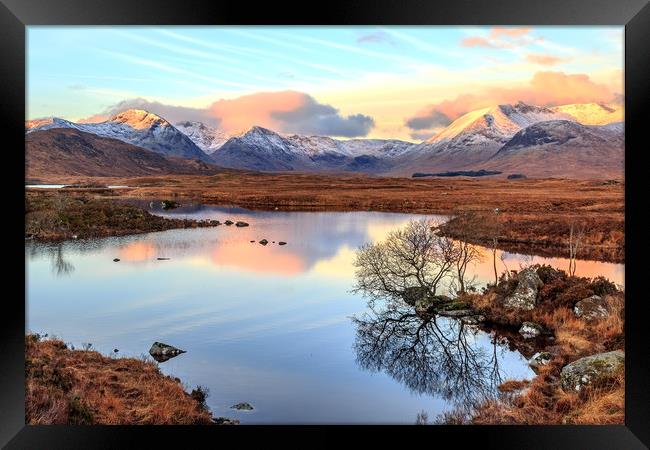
column 544, row 401
column 63, row 214
column 66, row 386
column 535, row 214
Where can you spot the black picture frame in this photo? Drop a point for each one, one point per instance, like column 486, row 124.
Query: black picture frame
column 15, row 15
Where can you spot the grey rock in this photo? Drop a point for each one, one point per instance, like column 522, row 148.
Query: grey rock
column 243, row 406
column 457, row 313
column 224, row 421
column 525, row 294
column 594, row 369
column 163, row 352
column 591, row 308
column 530, row 330
column 539, row 359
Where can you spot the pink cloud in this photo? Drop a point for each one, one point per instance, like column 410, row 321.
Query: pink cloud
column 544, row 89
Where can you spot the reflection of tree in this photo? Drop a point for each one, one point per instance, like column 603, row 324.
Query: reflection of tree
column 430, row 355
column 60, row 266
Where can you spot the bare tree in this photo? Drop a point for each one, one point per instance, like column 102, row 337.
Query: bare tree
column 466, row 222
column 413, row 256
column 576, row 236
column 495, row 231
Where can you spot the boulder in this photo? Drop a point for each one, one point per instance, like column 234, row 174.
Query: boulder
column 229, row 222
column 241, row 224
column 224, row 421
column 163, row 352
column 594, row 369
column 243, row 406
column 525, row 294
column 282, row 243
column 214, row 223
column 169, row 204
column 116, row 259
column 264, row 242
column 539, row 359
column 456, row 313
column 591, row 308
column 530, row 330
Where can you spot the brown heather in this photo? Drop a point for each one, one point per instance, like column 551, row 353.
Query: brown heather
column 65, row 386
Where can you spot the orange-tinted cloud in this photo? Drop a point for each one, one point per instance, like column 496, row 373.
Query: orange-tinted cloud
column 509, row 31
column 500, row 37
column 476, row 41
column 544, row 89
column 544, row 60
column 284, row 111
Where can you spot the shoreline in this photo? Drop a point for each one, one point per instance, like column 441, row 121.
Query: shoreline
column 535, row 215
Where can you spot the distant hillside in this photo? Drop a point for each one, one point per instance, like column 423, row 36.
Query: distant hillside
column 68, row 151
column 562, row 148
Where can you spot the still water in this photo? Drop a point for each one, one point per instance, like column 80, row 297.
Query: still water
column 275, row 326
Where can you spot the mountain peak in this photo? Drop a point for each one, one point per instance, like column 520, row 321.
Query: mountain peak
column 138, row 118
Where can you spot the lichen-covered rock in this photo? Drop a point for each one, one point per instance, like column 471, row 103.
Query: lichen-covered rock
column 591, row 308
column 525, row 294
column 539, row 359
column 245, row 406
column 530, row 330
column 594, row 369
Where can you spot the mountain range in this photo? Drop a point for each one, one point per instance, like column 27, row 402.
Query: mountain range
column 579, row 140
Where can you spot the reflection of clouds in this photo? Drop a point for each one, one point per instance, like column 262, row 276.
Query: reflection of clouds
column 323, row 242
column 255, row 258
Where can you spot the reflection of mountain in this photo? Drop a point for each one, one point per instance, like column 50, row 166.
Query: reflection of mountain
column 434, row 356
column 313, row 240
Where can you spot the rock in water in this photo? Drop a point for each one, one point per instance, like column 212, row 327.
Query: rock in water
column 594, row 369
column 525, row 294
column 530, row 330
column 591, row 308
column 163, row 352
column 539, row 359
column 169, row 204
column 225, row 421
column 241, row 224
column 116, row 259
column 243, row 406
column 282, row 243
column 264, row 242
column 228, row 222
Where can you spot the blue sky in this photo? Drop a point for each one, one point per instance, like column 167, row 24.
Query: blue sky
column 386, row 73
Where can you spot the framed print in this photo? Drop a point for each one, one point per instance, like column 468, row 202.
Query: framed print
column 377, row 218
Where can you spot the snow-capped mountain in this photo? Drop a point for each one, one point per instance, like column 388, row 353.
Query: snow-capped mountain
column 592, row 113
column 133, row 126
column 540, row 141
column 562, row 148
column 474, row 138
column 266, row 150
column 205, row 137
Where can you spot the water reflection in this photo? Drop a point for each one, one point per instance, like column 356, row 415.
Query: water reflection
column 430, row 355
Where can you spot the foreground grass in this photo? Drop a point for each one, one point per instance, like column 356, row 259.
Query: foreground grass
column 65, row 386
column 64, row 215
column 542, row 400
